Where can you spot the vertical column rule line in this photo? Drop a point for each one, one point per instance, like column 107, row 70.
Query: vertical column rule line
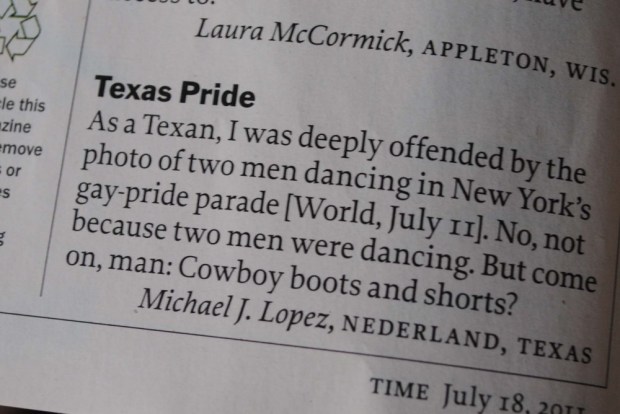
column 64, row 151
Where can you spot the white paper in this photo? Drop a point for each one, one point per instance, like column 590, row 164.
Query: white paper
column 450, row 168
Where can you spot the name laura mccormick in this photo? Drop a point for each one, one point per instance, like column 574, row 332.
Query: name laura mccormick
column 315, row 35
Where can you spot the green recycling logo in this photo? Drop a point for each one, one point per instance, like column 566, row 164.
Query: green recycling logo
column 19, row 27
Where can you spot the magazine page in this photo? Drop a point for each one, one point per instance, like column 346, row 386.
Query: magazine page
column 344, row 206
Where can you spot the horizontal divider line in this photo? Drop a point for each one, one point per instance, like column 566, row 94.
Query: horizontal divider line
column 440, row 364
